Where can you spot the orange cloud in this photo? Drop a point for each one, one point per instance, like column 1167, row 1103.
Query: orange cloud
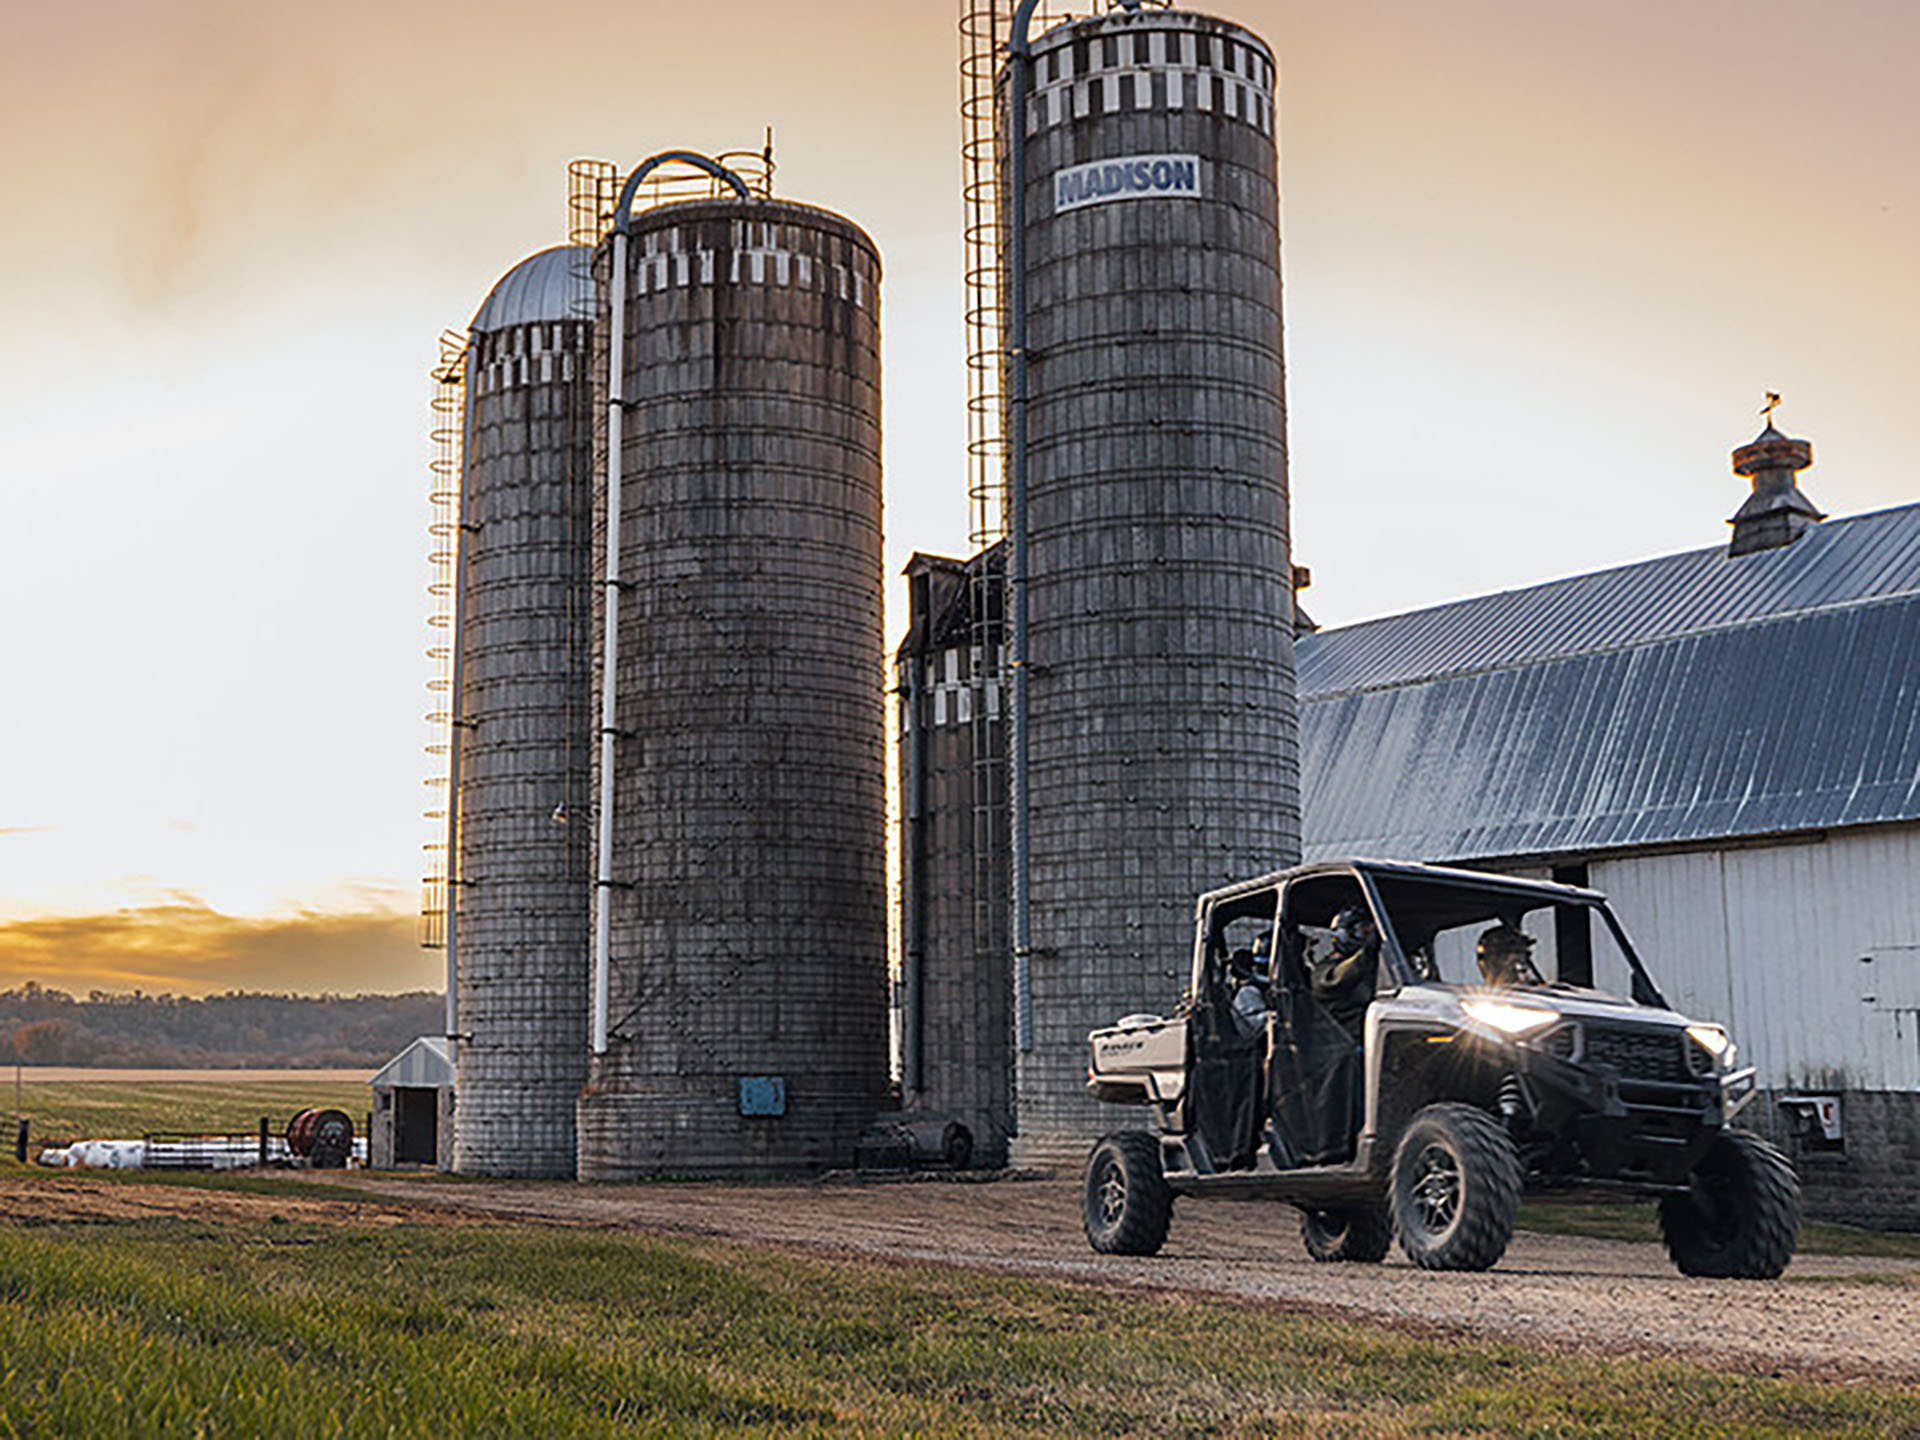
column 185, row 948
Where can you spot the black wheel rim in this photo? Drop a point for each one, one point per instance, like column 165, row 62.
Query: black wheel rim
column 1436, row 1189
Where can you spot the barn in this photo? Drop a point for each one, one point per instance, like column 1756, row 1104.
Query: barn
column 1727, row 742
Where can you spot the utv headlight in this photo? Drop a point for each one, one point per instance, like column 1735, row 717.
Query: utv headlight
column 1506, row 1017
column 1711, row 1049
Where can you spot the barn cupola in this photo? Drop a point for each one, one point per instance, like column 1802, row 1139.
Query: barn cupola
column 1776, row 513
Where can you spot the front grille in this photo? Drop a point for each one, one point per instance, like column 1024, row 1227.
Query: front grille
column 1639, row 1054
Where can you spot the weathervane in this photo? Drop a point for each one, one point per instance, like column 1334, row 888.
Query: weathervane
column 1766, row 410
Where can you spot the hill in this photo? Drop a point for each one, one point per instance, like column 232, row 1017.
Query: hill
column 240, row 1030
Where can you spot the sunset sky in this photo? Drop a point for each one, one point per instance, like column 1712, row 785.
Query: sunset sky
column 1542, row 262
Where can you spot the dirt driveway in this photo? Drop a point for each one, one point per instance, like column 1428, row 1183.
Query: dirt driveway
column 1828, row 1317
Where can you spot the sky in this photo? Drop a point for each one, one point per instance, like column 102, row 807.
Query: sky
column 1542, row 263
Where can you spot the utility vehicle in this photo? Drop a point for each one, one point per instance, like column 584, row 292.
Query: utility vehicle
column 1442, row 1095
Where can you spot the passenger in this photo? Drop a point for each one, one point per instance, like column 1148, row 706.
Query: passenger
column 1344, row 982
column 1505, row 957
column 1249, row 993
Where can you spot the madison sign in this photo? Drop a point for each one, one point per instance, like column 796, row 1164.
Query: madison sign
column 1129, row 177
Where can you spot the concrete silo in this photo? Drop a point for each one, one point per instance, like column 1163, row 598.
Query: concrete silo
column 956, row 1034
column 522, row 894
column 740, row 1013
column 1154, row 753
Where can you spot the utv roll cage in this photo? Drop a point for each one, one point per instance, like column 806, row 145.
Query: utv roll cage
column 1411, row 904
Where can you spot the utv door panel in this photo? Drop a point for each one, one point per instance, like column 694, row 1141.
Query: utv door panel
column 1314, row 1077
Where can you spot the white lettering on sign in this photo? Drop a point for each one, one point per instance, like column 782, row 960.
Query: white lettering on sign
column 1129, row 177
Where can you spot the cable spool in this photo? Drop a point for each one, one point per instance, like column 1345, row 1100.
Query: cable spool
column 323, row 1138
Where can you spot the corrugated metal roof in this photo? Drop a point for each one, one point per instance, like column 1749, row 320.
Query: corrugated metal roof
column 1840, row 562
column 538, row 289
column 1685, row 699
column 423, row 1065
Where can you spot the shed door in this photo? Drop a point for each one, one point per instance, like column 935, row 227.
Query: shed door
column 416, row 1127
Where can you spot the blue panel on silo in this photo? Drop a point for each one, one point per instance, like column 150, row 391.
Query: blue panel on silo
column 763, row 1094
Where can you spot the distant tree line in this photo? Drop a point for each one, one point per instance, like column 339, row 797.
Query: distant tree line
column 235, row 1030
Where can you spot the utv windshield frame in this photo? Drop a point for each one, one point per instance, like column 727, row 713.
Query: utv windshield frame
column 1408, row 918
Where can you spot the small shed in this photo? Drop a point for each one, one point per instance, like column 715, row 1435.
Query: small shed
column 413, row 1107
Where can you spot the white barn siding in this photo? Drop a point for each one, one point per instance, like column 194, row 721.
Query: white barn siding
column 1674, row 908
column 1771, row 940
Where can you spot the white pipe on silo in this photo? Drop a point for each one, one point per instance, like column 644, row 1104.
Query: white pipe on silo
column 603, row 878
column 616, row 407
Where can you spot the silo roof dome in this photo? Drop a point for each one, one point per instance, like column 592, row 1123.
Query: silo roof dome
column 539, row 289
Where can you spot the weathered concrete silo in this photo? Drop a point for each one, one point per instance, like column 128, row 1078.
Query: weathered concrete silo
column 742, row 1025
column 522, row 894
column 1149, row 512
column 956, row 1032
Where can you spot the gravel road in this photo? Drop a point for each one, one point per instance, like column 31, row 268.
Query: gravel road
column 1828, row 1317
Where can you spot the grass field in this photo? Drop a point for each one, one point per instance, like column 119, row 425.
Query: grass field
column 300, row 1326
column 74, row 1110
column 60, row 1111
column 1608, row 1219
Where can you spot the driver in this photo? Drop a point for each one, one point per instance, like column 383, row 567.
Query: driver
column 1344, row 982
column 1505, row 956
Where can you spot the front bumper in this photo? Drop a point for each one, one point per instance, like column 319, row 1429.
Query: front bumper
column 1628, row 1130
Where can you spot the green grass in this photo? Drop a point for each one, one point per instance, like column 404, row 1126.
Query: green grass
column 243, row 1181
column 276, row 1327
column 60, row 1111
column 1600, row 1218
